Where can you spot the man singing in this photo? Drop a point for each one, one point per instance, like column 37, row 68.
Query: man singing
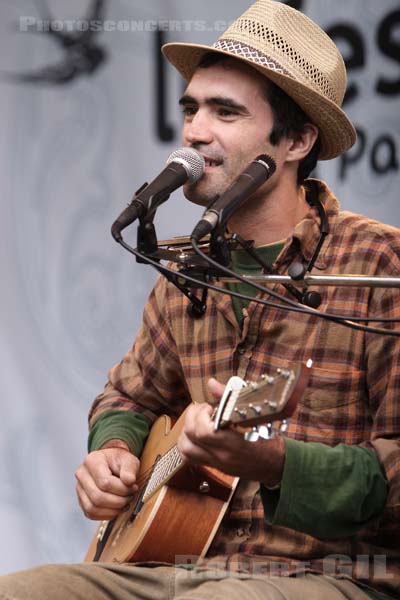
column 316, row 511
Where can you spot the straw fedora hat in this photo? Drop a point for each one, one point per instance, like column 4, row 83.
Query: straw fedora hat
column 293, row 52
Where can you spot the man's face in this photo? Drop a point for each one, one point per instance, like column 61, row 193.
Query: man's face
column 228, row 120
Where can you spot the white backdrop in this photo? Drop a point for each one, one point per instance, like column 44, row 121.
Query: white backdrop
column 70, row 158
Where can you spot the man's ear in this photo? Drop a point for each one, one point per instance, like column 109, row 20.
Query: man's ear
column 301, row 142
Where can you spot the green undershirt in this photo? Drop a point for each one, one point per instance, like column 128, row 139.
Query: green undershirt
column 132, row 428
column 344, row 482
column 306, row 491
column 246, row 265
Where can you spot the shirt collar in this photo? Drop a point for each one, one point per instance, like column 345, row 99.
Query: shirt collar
column 307, row 232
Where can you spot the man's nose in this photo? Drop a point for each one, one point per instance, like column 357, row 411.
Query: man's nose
column 198, row 130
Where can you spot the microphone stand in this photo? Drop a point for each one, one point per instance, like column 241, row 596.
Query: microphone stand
column 177, row 250
column 325, row 280
column 147, row 246
column 149, row 251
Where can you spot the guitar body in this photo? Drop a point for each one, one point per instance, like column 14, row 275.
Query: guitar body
column 177, row 520
column 176, row 512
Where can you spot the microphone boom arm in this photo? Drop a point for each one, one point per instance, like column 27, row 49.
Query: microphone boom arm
column 325, row 280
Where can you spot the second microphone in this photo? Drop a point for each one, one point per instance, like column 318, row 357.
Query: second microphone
column 255, row 174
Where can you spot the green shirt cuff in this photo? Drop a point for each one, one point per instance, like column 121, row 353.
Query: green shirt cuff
column 375, row 595
column 326, row 492
column 132, row 428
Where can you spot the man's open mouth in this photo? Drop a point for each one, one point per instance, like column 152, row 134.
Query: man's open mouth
column 210, row 162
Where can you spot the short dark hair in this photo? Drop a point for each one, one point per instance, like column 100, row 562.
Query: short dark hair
column 288, row 117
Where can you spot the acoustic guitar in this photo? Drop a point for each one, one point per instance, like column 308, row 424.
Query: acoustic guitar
column 178, row 508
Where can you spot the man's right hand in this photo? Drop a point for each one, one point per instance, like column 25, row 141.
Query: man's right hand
column 107, row 482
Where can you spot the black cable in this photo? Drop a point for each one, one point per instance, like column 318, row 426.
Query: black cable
column 340, row 320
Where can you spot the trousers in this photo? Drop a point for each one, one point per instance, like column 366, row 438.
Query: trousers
column 101, row 581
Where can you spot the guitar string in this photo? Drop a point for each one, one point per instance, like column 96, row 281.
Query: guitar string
column 143, row 478
column 171, row 459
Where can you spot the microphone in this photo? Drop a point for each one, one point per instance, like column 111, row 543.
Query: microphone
column 184, row 164
column 255, row 174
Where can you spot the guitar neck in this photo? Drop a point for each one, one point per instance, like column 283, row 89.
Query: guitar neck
column 270, row 398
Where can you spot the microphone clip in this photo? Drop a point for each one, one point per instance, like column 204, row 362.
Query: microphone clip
column 308, row 298
column 197, row 307
column 147, row 243
column 220, row 246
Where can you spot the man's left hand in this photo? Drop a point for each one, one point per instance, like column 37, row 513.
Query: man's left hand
column 226, row 449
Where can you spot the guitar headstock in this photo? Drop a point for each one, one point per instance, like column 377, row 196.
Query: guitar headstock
column 272, row 397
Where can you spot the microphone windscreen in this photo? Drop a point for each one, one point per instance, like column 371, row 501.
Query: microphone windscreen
column 192, row 161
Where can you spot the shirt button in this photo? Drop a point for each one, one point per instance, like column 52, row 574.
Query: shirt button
column 241, row 350
column 240, row 532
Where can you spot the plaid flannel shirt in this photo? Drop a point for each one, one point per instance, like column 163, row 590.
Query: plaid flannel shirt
column 352, row 397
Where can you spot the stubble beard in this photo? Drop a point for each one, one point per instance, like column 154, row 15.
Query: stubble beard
column 211, row 186
column 202, row 197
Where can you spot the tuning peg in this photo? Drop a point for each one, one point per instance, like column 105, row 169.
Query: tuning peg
column 242, row 412
column 284, row 426
column 268, row 379
column 265, row 431
column 283, row 373
column 257, row 409
column 271, row 404
column 252, row 436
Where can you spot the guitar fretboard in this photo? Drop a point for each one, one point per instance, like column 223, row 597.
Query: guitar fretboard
column 244, row 403
column 163, row 470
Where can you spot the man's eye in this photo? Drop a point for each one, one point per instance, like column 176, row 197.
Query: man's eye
column 226, row 112
column 188, row 111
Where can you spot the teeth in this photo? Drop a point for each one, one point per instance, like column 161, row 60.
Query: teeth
column 210, row 163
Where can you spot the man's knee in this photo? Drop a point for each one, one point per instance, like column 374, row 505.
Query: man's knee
column 40, row 583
